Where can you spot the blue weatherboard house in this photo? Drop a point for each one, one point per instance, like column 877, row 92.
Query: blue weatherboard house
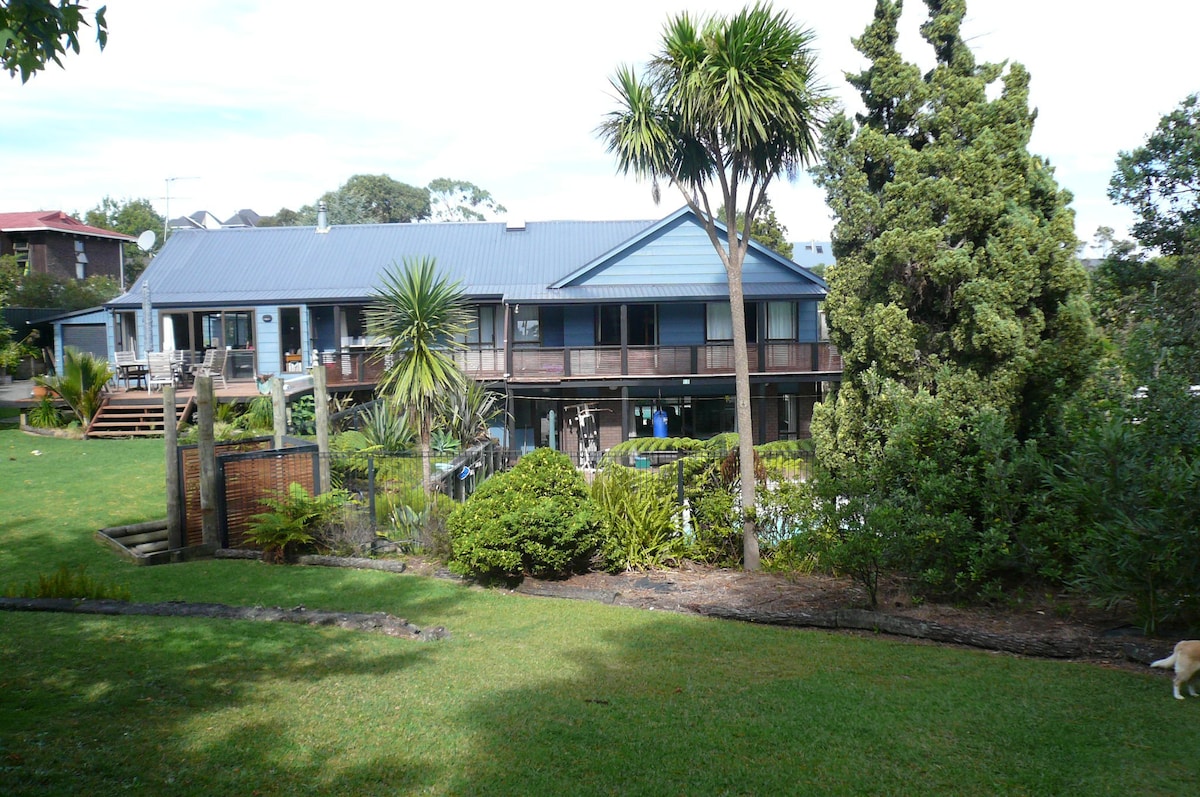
column 621, row 328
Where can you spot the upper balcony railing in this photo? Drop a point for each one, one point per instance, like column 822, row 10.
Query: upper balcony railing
column 712, row 359
column 603, row 362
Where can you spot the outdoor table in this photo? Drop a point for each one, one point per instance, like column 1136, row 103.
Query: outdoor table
column 135, row 371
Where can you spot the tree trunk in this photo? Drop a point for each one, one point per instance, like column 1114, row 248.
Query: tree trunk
column 426, row 457
column 745, row 421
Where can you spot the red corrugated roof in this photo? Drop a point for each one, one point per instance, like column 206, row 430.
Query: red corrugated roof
column 39, row 220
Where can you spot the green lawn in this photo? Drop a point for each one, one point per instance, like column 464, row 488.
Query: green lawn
column 528, row 697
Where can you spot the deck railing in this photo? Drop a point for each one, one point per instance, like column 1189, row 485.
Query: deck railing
column 702, row 360
column 362, row 367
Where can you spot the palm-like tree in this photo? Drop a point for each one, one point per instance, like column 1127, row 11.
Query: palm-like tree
column 81, row 384
column 422, row 315
column 726, row 107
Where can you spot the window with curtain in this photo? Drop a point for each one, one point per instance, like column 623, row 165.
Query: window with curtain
column 720, row 321
column 781, row 321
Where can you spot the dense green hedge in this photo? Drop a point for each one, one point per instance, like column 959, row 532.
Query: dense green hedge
column 536, row 519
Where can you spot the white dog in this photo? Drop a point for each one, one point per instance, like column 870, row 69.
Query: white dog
column 1186, row 661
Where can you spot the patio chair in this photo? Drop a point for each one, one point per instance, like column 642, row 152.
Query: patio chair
column 128, row 369
column 162, row 370
column 214, row 366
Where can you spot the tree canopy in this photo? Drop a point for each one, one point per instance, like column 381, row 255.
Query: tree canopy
column 766, row 229
column 458, row 200
column 35, row 32
column 132, row 217
column 1160, row 182
column 1148, row 298
column 725, row 106
column 378, row 199
column 956, row 300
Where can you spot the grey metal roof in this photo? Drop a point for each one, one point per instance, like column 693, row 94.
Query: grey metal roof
column 286, row 265
column 588, row 294
column 265, row 264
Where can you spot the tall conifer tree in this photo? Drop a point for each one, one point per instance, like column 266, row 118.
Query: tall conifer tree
column 957, row 301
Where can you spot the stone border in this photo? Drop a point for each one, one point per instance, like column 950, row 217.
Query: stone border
column 377, row 622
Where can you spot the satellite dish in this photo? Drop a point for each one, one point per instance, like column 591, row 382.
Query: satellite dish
column 146, row 240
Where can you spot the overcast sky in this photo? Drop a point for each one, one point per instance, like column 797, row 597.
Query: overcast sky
column 264, row 104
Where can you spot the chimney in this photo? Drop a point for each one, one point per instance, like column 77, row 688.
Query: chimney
column 322, row 218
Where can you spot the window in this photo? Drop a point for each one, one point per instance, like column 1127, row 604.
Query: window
column 233, row 329
column 21, row 253
column 822, row 324
column 608, row 325
column 643, row 324
column 526, row 326
column 720, row 322
column 781, row 321
column 481, row 326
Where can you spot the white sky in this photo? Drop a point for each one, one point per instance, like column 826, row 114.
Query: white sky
column 263, row 104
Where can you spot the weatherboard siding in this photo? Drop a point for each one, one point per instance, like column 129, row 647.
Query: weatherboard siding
column 681, row 324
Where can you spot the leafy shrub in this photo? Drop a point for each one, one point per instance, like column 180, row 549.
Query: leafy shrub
column 416, row 521
column 640, row 520
column 716, row 531
column 227, row 412
column 44, row 415
column 259, row 414
column 387, row 428
column 67, row 583
column 1132, row 483
column 443, row 442
column 302, row 416
column 536, row 519
column 785, row 511
column 81, row 384
column 940, row 498
column 293, row 520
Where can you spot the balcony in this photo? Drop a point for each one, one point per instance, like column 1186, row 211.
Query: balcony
column 364, row 367
column 599, row 362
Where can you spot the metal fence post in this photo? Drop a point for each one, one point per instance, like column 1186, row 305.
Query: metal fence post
column 679, row 480
column 371, row 489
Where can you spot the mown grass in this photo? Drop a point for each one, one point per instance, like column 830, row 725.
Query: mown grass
column 528, row 696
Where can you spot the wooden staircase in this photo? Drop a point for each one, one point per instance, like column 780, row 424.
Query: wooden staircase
column 136, row 416
column 144, row 543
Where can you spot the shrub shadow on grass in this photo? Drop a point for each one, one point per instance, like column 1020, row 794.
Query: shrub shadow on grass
column 196, row 707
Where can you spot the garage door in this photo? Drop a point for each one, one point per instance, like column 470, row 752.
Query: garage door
column 86, row 337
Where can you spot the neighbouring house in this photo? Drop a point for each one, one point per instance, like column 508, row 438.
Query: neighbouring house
column 203, row 220
column 615, row 328
column 51, row 242
column 811, row 254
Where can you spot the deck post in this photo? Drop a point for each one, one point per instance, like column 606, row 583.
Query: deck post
column 321, row 396
column 279, row 404
column 171, row 440
column 210, row 522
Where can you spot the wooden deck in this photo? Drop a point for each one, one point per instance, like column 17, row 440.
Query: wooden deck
column 140, row 413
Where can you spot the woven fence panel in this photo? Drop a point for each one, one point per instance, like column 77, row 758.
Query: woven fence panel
column 249, row 480
column 189, row 473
